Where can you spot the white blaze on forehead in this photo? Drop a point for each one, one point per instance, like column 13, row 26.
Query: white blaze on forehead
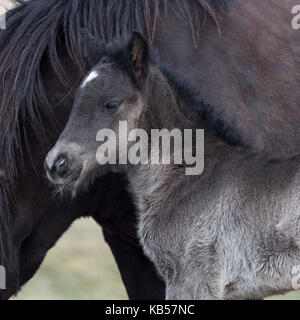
column 91, row 76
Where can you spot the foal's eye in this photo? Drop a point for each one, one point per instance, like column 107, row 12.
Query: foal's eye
column 112, row 106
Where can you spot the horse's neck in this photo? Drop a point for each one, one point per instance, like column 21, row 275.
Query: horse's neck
column 166, row 110
column 150, row 184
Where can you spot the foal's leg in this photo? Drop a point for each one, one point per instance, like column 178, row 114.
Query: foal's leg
column 184, row 291
column 191, row 285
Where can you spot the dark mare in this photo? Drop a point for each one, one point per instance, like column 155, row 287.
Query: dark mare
column 245, row 64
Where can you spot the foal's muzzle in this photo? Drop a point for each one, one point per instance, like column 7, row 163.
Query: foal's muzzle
column 60, row 168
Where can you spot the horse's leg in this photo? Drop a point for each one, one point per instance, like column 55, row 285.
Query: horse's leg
column 41, row 219
column 138, row 273
column 44, row 236
column 115, row 212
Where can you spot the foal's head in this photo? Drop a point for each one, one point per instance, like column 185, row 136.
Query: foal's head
column 116, row 89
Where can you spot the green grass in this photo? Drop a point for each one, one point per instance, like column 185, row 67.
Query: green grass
column 81, row 266
column 290, row 296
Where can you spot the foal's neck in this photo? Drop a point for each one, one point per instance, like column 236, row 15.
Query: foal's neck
column 154, row 183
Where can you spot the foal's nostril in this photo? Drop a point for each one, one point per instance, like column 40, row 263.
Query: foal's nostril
column 61, row 166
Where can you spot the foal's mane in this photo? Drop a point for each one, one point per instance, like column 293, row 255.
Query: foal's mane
column 37, row 30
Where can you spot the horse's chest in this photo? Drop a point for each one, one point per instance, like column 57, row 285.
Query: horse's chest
column 160, row 240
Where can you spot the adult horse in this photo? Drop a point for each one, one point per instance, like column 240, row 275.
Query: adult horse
column 245, row 63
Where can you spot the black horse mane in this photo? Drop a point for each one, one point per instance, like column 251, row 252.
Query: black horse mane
column 36, row 32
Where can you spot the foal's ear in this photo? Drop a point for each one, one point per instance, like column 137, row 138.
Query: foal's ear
column 93, row 48
column 138, row 53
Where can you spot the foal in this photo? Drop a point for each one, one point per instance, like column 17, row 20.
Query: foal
column 230, row 233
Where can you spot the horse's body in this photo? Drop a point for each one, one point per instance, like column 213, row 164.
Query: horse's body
column 231, row 233
column 249, row 76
